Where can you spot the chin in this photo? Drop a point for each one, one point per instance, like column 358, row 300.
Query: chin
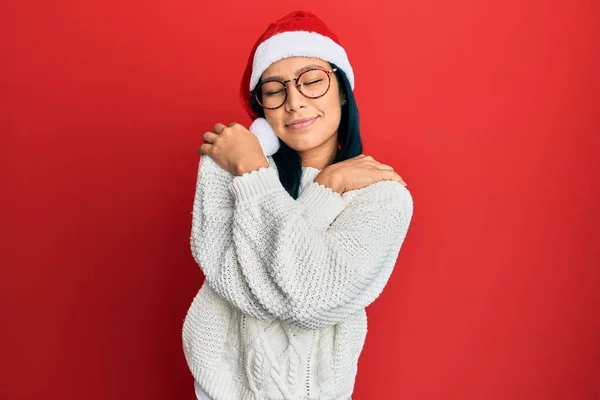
column 301, row 145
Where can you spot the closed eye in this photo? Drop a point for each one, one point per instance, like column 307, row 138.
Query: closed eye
column 273, row 93
column 312, row 82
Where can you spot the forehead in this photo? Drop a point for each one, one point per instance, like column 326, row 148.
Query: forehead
column 289, row 67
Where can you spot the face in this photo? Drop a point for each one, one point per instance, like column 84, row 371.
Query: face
column 309, row 126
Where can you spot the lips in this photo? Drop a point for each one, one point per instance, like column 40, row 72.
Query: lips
column 301, row 123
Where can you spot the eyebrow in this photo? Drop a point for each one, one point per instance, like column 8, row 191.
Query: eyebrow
column 298, row 72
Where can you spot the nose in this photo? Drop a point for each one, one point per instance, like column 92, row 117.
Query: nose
column 295, row 100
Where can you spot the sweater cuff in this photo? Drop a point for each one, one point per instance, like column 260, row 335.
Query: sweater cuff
column 255, row 184
column 323, row 205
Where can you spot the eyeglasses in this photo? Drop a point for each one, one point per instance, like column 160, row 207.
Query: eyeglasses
column 312, row 84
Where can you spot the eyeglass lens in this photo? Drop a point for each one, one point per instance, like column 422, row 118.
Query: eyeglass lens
column 312, row 84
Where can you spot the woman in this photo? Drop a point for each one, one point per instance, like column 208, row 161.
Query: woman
column 295, row 230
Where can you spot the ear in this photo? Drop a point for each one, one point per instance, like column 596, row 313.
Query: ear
column 343, row 99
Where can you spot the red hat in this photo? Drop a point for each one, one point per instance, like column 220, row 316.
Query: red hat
column 298, row 34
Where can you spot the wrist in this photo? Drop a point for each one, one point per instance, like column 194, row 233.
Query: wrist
column 330, row 180
column 251, row 165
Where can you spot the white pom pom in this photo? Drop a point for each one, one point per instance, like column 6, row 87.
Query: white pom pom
column 267, row 138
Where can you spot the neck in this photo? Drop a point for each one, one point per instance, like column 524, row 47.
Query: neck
column 321, row 156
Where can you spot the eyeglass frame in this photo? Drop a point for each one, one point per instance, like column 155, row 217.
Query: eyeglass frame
column 254, row 93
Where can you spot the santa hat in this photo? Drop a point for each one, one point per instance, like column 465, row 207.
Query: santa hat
column 298, row 34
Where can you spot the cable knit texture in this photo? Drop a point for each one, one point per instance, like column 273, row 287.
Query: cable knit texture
column 281, row 314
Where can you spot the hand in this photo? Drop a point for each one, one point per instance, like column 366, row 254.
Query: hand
column 356, row 173
column 234, row 148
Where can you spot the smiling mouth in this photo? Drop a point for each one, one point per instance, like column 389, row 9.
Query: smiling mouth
column 302, row 124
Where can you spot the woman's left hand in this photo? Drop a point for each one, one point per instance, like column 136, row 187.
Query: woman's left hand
column 234, row 148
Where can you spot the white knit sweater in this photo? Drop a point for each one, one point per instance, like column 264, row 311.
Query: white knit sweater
column 281, row 314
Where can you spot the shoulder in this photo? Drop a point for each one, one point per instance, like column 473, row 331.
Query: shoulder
column 209, row 168
column 390, row 193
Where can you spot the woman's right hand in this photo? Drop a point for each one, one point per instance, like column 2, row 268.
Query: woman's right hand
column 356, row 173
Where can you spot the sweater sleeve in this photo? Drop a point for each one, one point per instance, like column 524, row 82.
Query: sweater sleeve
column 312, row 261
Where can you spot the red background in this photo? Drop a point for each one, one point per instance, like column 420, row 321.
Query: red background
column 489, row 110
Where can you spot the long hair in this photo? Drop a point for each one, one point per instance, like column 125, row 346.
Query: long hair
column 288, row 161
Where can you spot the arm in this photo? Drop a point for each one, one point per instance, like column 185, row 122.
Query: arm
column 282, row 258
column 212, row 232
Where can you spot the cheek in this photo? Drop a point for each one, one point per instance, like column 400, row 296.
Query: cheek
column 275, row 119
column 332, row 105
column 332, row 111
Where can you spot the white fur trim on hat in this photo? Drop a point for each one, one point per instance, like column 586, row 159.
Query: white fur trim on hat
column 267, row 138
column 299, row 44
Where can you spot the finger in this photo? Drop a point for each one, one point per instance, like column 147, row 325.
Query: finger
column 210, row 137
column 232, row 124
column 218, row 128
column 385, row 167
column 392, row 176
column 399, row 179
column 369, row 160
column 205, row 149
